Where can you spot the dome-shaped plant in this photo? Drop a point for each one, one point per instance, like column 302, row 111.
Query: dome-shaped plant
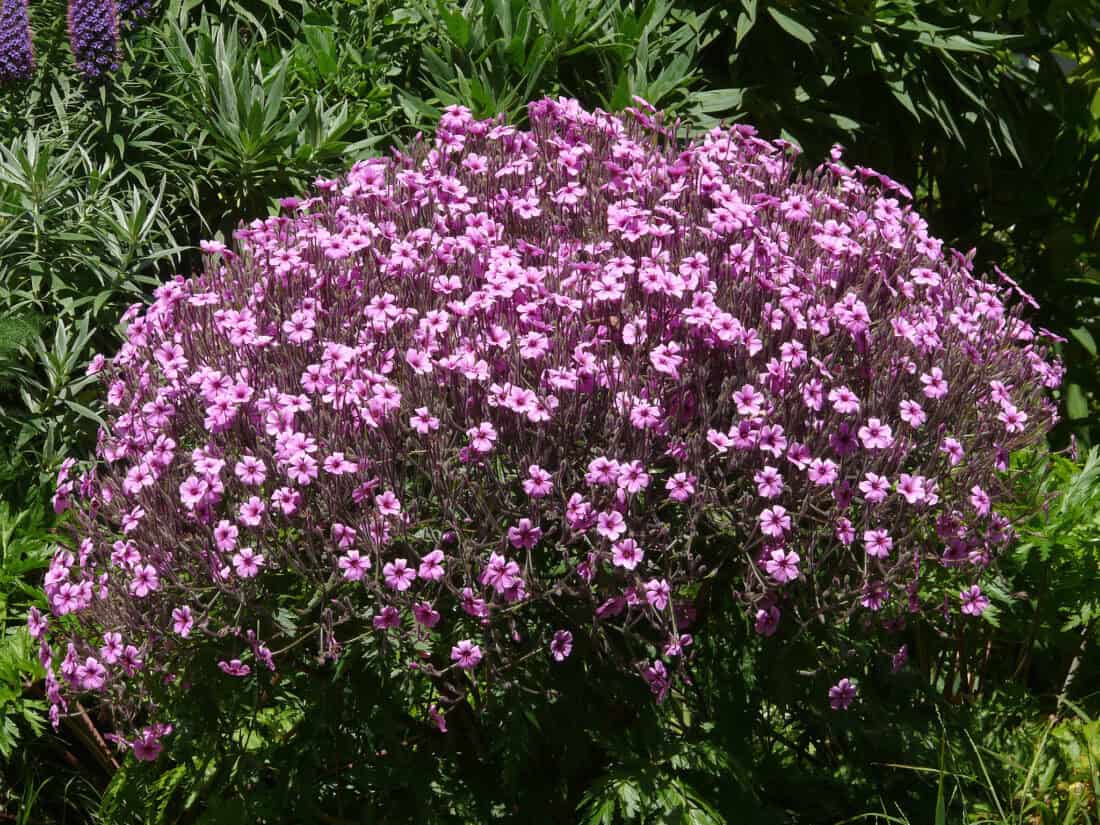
column 516, row 397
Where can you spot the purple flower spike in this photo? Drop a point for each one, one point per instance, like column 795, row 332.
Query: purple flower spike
column 132, row 12
column 16, row 47
column 93, row 36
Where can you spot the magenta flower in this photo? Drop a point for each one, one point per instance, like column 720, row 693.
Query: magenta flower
column 431, row 566
column 767, row 621
column 775, row 522
column 626, row 554
column 875, row 435
column 680, row 487
column 387, row 618
column 610, row 524
column 251, row 471
column 182, row 621
column 769, row 483
column 657, row 593
column 425, row 615
column 466, row 654
column 234, row 667
column 973, row 602
column 538, row 483
column 387, row 504
column 145, row 581
column 354, row 565
column 782, row 565
column 842, row 694
column 247, row 562
column 524, row 534
column 398, row 574
column 482, row 437
column 561, row 645
column 878, row 543
column 632, row 477
column 37, row 624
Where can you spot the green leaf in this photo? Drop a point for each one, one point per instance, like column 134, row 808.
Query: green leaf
column 719, row 100
column 1085, row 339
column 793, row 27
column 1077, row 406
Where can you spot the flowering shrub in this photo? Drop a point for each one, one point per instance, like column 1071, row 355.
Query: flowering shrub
column 521, row 395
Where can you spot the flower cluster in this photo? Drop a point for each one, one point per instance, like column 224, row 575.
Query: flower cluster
column 132, row 12
column 93, row 37
column 16, row 46
column 520, row 394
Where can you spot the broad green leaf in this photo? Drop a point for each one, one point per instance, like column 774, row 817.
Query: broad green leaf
column 792, row 27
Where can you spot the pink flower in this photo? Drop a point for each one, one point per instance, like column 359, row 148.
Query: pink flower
column 425, row 615
column 979, row 500
column 767, row 621
column 561, row 645
column 874, row 488
column 354, row 565
column 973, row 602
column 387, row 618
column 524, row 534
column 234, row 667
column 844, row 400
column 775, row 522
column 112, row 648
column 632, row 477
column 610, row 524
column 192, row 491
column 875, row 435
column 842, row 694
column 398, row 574
column 954, row 450
column 680, row 487
column 782, row 565
column 250, row 471
column 247, row 562
column 423, row 421
column 251, row 512
column 603, row 471
column 1012, row 418
column 182, row 621
column 934, row 384
column 225, row 535
column 769, row 483
column 431, row 566
column 878, row 543
column 147, row 747
column 287, row 500
column 912, row 413
column 36, row 623
column 911, row 488
column 500, row 573
column 537, row 484
column 657, row 593
column 387, row 504
column 466, row 654
column 482, row 437
column 145, row 581
column 822, row 471
column 626, row 554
